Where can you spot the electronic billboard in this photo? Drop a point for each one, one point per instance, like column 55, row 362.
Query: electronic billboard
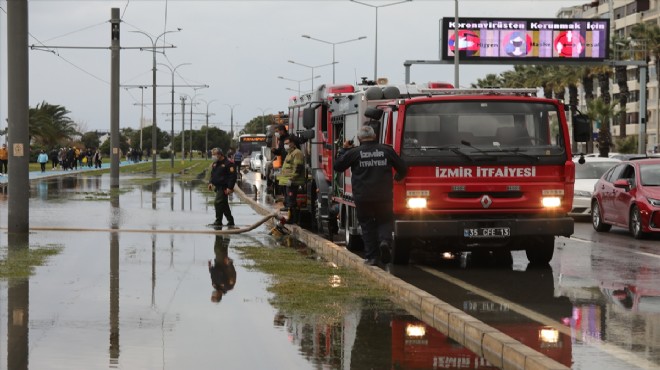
column 504, row 39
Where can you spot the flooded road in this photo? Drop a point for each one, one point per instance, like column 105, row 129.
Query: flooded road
column 143, row 300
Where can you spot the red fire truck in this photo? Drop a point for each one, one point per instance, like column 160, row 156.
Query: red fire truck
column 490, row 170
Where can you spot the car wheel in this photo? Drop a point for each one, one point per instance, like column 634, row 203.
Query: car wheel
column 636, row 223
column 597, row 219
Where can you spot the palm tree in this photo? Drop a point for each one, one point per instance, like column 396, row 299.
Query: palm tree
column 50, row 126
column 491, row 80
column 601, row 111
column 621, row 76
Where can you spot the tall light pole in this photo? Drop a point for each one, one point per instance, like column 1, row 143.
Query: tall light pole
column 376, row 33
column 172, row 131
column 333, row 49
column 298, row 81
column 183, row 127
column 231, row 130
column 206, row 145
column 192, row 105
column 154, row 41
column 312, row 68
column 263, row 113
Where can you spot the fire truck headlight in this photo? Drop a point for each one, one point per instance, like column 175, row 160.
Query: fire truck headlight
column 415, row 331
column 549, row 335
column 551, row 202
column 416, row 203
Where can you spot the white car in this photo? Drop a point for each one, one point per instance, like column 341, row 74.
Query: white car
column 255, row 161
column 266, row 162
column 586, row 176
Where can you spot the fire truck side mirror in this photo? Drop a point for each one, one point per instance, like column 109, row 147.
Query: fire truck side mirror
column 309, row 118
column 581, row 130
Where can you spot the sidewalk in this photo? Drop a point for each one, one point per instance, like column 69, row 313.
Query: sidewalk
column 34, row 175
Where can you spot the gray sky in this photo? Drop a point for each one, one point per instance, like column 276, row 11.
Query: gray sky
column 238, row 48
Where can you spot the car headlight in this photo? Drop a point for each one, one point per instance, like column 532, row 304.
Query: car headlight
column 416, row 203
column 654, row 202
column 551, row 202
column 582, row 193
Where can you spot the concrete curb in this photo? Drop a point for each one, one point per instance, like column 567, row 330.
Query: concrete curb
column 496, row 347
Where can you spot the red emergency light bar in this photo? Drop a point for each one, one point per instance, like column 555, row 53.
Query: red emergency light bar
column 440, row 85
column 340, row 89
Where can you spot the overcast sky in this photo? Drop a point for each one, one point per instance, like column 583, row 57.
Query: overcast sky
column 238, row 48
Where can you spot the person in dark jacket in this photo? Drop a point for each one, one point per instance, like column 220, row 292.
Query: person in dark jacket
column 282, row 134
column 371, row 166
column 223, row 179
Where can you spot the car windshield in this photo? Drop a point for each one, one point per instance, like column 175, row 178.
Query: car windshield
column 592, row 170
column 649, row 174
column 484, row 130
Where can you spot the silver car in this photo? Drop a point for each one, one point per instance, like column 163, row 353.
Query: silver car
column 586, row 176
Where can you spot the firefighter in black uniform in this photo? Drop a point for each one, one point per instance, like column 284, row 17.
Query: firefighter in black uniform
column 371, row 166
column 223, row 179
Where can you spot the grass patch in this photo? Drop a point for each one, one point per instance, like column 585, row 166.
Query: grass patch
column 20, row 263
column 305, row 286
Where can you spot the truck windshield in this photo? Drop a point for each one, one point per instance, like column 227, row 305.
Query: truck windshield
column 484, row 130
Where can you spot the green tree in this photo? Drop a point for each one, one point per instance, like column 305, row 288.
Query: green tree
column 601, row 111
column 50, row 125
column 90, row 139
column 258, row 124
column 491, row 80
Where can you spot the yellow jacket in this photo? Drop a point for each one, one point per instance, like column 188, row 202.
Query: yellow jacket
column 4, row 154
column 293, row 169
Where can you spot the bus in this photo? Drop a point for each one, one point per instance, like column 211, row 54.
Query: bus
column 250, row 143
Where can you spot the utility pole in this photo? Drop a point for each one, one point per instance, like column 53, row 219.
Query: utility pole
column 18, row 82
column 114, row 100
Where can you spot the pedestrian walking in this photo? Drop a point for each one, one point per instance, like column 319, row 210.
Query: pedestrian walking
column 54, row 154
column 42, row 159
column 97, row 159
column 371, row 166
column 4, row 159
column 292, row 176
column 222, row 181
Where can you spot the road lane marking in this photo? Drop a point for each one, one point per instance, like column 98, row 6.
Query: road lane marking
column 617, row 352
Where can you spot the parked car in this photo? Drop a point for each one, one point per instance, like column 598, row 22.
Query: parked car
column 586, row 176
column 628, row 196
column 255, row 161
column 266, row 162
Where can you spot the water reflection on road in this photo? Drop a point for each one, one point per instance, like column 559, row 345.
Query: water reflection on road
column 142, row 300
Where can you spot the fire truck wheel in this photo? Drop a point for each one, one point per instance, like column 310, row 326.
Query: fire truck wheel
column 400, row 251
column 503, row 257
column 353, row 241
column 540, row 250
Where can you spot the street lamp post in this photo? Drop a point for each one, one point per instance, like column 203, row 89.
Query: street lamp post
column 172, row 130
column 206, row 145
column 231, row 130
column 376, row 33
column 183, row 124
column 263, row 113
column 154, row 41
column 312, row 68
column 190, row 145
column 298, row 81
column 333, row 49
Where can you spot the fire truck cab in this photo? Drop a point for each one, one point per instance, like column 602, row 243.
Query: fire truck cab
column 490, row 170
